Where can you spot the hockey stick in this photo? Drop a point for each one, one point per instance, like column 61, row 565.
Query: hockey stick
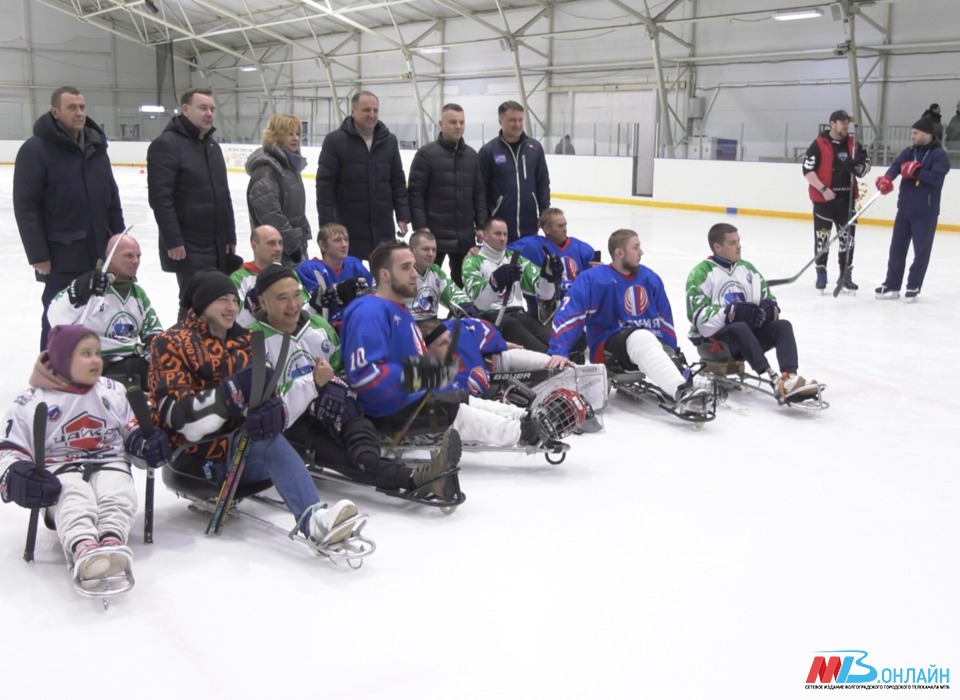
column 508, row 292
column 103, row 266
column 846, row 267
column 426, row 397
column 39, row 464
column 259, row 365
column 141, row 409
column 835, row 236
column 321, row 290
column 266, row 393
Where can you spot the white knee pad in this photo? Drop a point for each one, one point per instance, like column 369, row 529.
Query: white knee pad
column 485, row 427
column 646, row 352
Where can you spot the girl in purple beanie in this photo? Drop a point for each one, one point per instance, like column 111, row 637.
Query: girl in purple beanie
column 91, row 434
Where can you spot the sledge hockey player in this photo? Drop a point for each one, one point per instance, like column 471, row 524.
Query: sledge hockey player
column 576, row 255
column 90, row 435
column 122, row 315
column 729, row 301
column 626, row 314
column 344, row 276
column 388, row 366
column 493, row 281
column 323, row 415
column 201, row 381
column 267, row 245
column 434, row 287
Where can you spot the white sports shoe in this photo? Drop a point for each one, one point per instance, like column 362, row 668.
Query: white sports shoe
column 325, row 523
column 793, row 386
column 89, row 563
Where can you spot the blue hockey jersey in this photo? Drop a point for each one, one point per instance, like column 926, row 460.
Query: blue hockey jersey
column 576, row 255
column 352, row 267
column 606, row 301
column 477, row 338
column 377, row 336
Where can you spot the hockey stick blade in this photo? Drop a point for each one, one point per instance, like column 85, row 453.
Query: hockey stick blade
column 39, row 464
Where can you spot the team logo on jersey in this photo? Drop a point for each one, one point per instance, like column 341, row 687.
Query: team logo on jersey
column 426, row 302
column 299, row 364
column 499, row 158
column 54, row 413
column 122, row 325
column 326, row 347
column 635, row 300
column 85, row 432
column 732, row 292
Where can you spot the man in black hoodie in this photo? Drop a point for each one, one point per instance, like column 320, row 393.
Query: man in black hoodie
column 65, row 198
column 188, row 191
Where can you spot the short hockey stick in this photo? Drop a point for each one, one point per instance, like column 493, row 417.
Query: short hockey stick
column 105, row 266
column 141, row 409
column 508, row 292
column 835, row 236
column 39, row 464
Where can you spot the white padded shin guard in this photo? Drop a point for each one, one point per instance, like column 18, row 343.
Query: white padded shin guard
column 484, row 427
column 646, row 352
column 520, row 360
column 507, row 410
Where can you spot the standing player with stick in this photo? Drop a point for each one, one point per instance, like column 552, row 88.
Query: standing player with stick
column 831, row 166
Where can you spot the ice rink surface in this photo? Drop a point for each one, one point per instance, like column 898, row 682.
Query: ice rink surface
column 658, row 561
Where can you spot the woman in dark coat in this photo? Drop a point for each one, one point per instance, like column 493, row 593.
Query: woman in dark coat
column 275, row 194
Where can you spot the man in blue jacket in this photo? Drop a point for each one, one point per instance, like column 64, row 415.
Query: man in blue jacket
column 64, row 196
column 360, row 178
column 922, row 168
column 515, row 174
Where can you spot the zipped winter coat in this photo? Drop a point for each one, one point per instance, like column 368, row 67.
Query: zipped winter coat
column 190, row 197
column 276, row 197
column 362, row 188
column 65, row 198
column 920, row 197
column 518, row 186
column 447, row 194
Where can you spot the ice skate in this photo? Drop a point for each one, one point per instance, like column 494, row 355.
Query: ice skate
column 438, row 478
column 884, row 292
column 849, row 286
column 910, row 296
column 821, row 283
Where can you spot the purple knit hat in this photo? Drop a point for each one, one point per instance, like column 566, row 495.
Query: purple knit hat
column 61, row 343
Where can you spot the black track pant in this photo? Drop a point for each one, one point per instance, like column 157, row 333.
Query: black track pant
column 521, row 328
column 751, row 344
column 826, row 215
column 920, row 232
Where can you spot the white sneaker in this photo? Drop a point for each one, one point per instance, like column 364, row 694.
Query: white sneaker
column 325, row 529
column 90, row 562
column 793, row 386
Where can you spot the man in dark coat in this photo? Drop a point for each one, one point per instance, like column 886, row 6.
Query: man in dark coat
column 515, row 174
column 446, row 192
column 189, row 195
column 64, row 196
column 360, row 179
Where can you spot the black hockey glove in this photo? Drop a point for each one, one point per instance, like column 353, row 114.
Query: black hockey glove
column 350, row 289
column 154, row 450
column 505, row 276
column 771, row 312
column 336, row 406
column 466, row 310
column 93, row 283
column 235, row 390
column 251, row 301
column 27, row 487
column 426, row 372
column 744, row 312
column 552, row 268
column 266, row 421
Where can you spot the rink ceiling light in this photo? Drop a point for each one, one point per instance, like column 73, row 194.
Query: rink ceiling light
column 433, row 49
column 248, row 69
column 798, row 14
column 152, row 109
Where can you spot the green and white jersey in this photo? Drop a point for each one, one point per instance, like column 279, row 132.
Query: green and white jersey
column 244, row 279
column 123, row 318
column 314, row 338
column 434, row 289
column 477, row 270
column 711, row 286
